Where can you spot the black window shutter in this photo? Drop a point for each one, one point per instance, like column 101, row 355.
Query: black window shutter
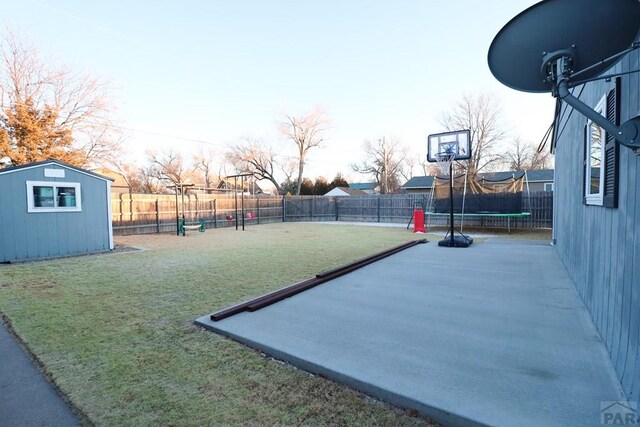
column 585, row 144
column 611, row 149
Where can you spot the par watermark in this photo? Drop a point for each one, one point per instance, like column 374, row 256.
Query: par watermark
column 620, row 413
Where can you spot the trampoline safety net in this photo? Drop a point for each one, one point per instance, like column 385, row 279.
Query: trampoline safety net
column 481, row 196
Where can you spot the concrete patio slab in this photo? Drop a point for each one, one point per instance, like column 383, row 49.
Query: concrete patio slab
column 493, row 334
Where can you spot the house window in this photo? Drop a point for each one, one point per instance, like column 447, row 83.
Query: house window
column 595, row 140
column 46, row 196
column 601, row 154
column 548, row 186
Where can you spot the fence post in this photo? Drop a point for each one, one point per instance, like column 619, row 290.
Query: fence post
column 337, row 212
column 284, row 209
column 157, row 217
column 130, row 208
column 378, row 208
column 215, row 214
column 311, row 209
column 121, row 213
column 258, row 209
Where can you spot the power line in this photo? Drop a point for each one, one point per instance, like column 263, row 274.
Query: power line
column 103, row 29
column 182, row 138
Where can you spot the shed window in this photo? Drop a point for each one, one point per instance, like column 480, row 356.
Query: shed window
column 53, row 197
column 548, row 186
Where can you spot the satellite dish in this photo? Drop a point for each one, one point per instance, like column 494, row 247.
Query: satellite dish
column 586, row 31
column 552, row 43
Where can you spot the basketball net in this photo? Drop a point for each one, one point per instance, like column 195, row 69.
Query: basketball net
column 444, row 162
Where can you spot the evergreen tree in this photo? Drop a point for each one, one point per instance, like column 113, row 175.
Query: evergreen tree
column 31, row 135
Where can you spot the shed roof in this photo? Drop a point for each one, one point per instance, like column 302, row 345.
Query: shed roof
column 52, row 162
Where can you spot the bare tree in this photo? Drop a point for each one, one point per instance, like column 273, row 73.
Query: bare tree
column 255, row 157
column 306, row 131
column 288, row 169
column 139, row 179
column 427, row 168
column 146, row 182
column 167, row 166
column 51, row 112
column 525, row 156
column 205, row 162
column 385, row 161
column 481, row 115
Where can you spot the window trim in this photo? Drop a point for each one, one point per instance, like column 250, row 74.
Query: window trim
column 595, row 199
column 31, row 208
column 548, row 185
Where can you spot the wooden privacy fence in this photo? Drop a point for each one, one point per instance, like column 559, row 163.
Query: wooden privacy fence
column 156, row 213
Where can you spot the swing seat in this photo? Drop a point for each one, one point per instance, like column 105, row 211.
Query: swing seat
column 183, row 227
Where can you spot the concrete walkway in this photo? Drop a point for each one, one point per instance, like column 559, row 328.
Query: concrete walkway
column 493, row 334
column 26, row 397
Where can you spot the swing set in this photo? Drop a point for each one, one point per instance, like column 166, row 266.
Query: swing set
column 181, row 221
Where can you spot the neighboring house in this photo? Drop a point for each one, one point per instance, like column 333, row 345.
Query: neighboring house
column 419, row 184
column 227, row 185
column 52, row 209
column 367, row 187
column 596, row 217
column 538, row 180
column 345, row 192
column 119, row 185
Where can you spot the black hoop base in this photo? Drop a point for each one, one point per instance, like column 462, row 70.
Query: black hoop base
column 453, row 241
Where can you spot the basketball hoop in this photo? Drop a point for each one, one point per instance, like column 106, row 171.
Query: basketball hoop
column 443, row 149
column 444, row 160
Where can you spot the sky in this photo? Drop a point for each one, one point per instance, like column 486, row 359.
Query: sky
column 217, row 71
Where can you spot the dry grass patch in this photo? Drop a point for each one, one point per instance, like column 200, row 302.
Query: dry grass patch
column 115, row 332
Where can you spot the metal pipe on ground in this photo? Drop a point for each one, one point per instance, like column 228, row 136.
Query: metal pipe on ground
column 279, row 295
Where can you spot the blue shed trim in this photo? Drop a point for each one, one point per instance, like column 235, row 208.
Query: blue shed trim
column 13, row 169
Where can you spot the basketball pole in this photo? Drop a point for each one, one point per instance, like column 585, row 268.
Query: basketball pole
column 451, row 202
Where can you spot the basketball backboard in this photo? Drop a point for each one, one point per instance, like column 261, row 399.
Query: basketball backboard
column 457, row 144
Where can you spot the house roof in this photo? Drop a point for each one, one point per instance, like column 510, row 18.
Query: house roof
column 53, row 162
column 349, row 191
column 533, row 176
column 419, row 182
column 363, row 185
column 228, row 184
column 117, row 178
column 541, row 175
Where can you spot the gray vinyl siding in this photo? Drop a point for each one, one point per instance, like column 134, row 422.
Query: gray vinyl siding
column 28, row 236
column 599, row 246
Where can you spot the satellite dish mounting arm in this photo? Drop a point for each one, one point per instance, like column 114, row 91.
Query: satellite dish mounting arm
column 558, row 68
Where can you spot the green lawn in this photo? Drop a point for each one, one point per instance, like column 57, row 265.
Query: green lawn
column 115, row 332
